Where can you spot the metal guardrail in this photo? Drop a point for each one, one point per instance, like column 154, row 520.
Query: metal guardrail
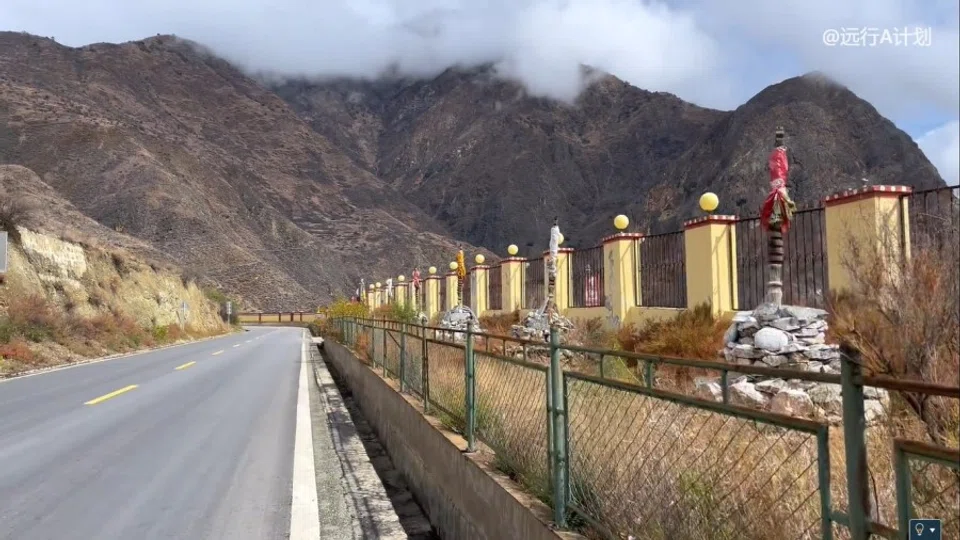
column 277, row 316
column 632, row 459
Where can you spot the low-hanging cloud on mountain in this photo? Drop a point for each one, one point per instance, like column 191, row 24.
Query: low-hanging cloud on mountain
column 713, row 52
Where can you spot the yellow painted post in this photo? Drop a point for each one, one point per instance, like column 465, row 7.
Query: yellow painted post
column 711, row 251
column 431, row 292
column 368, row 296
column 401, row 294
column 479, row 289
column 619, row 266
column 875, row 219
column 564, row 277
column 451, row 278
column 511, row 282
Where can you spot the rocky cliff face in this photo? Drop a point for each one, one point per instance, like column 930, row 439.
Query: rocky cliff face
column 496, row 166
column 88, row 281
column 180, row 150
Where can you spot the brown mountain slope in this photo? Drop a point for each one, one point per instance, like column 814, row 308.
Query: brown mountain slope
column 181, row 150
column 496, row 166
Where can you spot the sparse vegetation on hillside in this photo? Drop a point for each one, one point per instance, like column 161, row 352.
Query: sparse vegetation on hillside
column 35, row 334
column 13, row 214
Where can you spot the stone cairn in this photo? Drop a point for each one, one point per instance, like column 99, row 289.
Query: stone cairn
column 536, row 325
column 788, row 337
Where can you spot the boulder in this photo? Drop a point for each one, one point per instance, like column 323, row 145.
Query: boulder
column 771, row 386
column 774, row 360
column 792, row 402
column 745, row 393
column 828, row 397
column 708, row 389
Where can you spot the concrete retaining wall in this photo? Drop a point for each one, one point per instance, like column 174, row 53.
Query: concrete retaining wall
column 464, row 497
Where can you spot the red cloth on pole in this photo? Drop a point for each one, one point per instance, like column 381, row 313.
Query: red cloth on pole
column 777, row 164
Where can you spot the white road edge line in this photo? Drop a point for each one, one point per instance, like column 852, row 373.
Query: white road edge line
column 304, row 510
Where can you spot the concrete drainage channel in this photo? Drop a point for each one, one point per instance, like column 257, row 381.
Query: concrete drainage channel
column 378, row 503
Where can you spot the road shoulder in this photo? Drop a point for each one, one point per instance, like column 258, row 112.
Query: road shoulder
column 343, row 467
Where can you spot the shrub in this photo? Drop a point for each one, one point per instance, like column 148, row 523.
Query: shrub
column 13, row 213
column 902, row 318
column 693, row 333
column 17, row 351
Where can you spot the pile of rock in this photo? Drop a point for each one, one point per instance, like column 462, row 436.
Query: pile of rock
column 536, row 326
column 456, row 322
column 788, row 337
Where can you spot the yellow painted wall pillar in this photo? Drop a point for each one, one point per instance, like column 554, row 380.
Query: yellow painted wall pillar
column 619, row 267
column 511, row 282
column 711, row 250
column 479, row 290
column 401, row 294
column 431, row 287
column 875, row 218
column 370, row 299
column 451, row 278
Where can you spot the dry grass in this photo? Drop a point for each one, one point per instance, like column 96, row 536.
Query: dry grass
column 501, row 324
column 32, row 325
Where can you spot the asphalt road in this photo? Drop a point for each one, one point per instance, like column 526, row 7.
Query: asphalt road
column 190, row 442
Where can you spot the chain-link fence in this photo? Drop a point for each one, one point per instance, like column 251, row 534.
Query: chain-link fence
column 621, row 456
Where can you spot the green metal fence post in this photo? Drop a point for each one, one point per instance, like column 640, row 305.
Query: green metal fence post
column 403, row 353
column 558, row 432
column 901, row 467
column 823, row 477
column 470, row 389
column 383, row 359
column 854, row 445
column 425, row 371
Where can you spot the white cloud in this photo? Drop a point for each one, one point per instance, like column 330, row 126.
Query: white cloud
column 942, row 147
column 715, row 53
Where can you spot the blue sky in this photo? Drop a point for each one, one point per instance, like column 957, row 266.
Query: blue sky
column 716, row 53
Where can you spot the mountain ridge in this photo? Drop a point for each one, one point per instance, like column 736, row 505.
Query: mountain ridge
column 286, row 193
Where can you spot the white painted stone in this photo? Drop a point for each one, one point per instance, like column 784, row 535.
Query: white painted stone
column 771, row 339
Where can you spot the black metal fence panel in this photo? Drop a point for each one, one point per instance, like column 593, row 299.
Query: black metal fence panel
column 495, row 288
column 663, row 270
column 534, row 287
column 586, row 275
column 804, row 265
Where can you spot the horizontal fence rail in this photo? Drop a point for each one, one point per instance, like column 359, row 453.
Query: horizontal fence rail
column 617, row 454
column 804, row 264
column 534, row 294
column 662, row 270
column 495, row 288
column 586, row 278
